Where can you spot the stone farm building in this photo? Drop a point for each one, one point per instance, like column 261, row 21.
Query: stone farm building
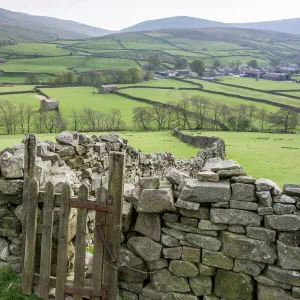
column 106, row 89
column 48, row 104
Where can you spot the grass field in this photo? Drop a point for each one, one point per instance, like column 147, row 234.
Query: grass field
column 17, row 99
column 80, row 97
column 262, row 155
column 261, row 84
column 10, row 286
column 13, row 78
column 34, row 49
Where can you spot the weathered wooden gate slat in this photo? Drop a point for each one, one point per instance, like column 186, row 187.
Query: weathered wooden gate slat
column 63, row 238
column 46, row 246
column 79, row 268
column 112, row 232
column 98, row 243
column 30, row 242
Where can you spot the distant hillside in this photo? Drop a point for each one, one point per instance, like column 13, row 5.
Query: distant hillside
column 288, row 25
column 22, row 27
column 182, row 22
column 173, row 23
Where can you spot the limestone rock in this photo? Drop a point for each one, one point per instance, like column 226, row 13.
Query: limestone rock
column 201, row 285
column 234, row 217
column 241, row 247
column 149, row 292
column 285, row 199
column 193, row 222
column 4, row 252
column 11, row 187
column 265, row 198
column 296, row 292
column 264, row 210
column 208, row 176
column 289, row 257
column 190, row 229
column 266, row 184
column 272, row 293
column 292, row 189
column 126, row 216
column 149, row 183
column 191, row 254
column 290, row 238
column 171, row 218
column 262, row 234
column 206, row 270
column 12, row 167
column 165, row 281
column 156, row 201
column 174, row 233
column 127, row 258
column 169, row 241
column 196, row 191
column 236, row 229
column 172, row 253
column 227, row 174
column 67, row 138
column 248, row 267
column 284, row 276
column 283, row 222
column 282, row 209
column 243, row 192
column 183, row 268
column 187, row 205
column 252, row 206
column 176, row 176
column 158, row 264
column 149, row 225
column 178, row 296
column 202, row 213
column 217, row 259
column 208, row 225
column 128, row 295
column 233, row 286
column 219, row 164
column 269, row 282
column 145, row 248
column 205, row 242
column 243, row 179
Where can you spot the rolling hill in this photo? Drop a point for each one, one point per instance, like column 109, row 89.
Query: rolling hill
column 15, row 26
column 182, row 22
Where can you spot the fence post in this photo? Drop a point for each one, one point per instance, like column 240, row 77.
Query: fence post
column 30, row 241
column 114, row 222
column 29, row 173
column 63, row 238
column 46, row 246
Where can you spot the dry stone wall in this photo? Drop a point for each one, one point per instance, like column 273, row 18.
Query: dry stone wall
column 191, row 229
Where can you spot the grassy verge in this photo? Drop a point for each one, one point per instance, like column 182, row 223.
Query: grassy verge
column 10, row 286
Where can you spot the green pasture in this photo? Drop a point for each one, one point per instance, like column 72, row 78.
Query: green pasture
column 34, row 49
column 59, row 64
column 18, row 99
column 102, row 44
column 13, row 78
column 261, row 84
column 264, row 155
column 81, row 97
column 162, row 83
column 165, row 96
column 16, row 88
column 248, row 93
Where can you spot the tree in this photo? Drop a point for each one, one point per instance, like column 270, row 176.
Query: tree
column 142, row 117
column 31, row 78
column 154, row 61
column 200, row 107
column 77, row 118
column 217, row 64
column 8, row 116
column 285, row 120
column 274, row 62
column 262, row 116
column 253, row 64
column 181, row 63
column 133, row 75
column 198, row 66
column 160, row 115
column 183, row 114
column 147, row 75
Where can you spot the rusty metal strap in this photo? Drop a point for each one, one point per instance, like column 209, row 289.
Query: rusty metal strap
column 91, row 205
column 85, row 292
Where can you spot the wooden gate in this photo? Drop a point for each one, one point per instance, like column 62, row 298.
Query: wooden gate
column 108, row 207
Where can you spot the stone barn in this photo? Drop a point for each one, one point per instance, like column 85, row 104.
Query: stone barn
column 49, row 104
column 106, row 89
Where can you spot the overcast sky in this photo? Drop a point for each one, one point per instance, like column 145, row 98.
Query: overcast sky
column 118, row 14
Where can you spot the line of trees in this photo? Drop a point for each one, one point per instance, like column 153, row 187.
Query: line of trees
column 201, row 113
column 132, row 75
column 23, row 118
